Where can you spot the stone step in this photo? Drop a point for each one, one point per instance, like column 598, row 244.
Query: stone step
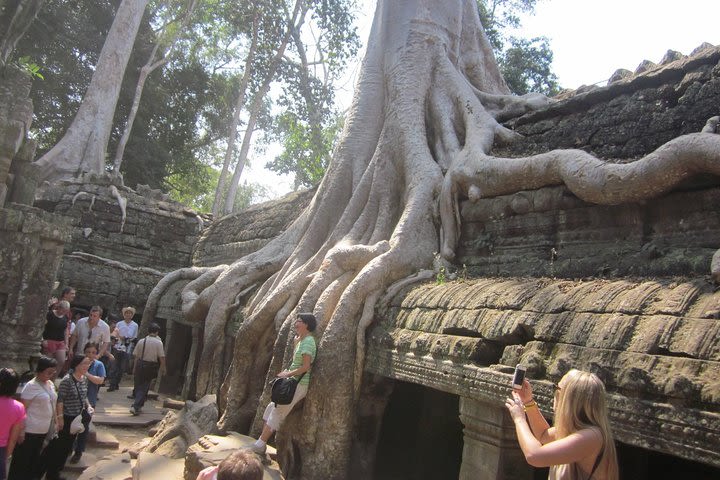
column 128, row 420
column 151, row 466
column 103, row 439
column 114, row 467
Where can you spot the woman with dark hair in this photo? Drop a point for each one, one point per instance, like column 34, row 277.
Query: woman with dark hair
column 303, row 356
column 39, row 398
column 57, row 332
column 72, row 401
column 12, row 414
column 580, row 445
column 95, row 377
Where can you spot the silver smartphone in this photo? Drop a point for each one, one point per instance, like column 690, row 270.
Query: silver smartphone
column 518, row 377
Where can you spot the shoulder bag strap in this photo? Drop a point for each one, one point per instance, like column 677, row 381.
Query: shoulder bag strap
column 597, row 463
column 142, row 354
column 77, row 389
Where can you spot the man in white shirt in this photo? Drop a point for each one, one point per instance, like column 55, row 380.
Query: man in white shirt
column 127, row 332
column 91, row 329
column 149, row 356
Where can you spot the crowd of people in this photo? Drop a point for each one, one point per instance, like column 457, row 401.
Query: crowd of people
column 79, row 353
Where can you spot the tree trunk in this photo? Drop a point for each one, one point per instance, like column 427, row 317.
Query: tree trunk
column 150, row 66
column 232, row 133
column 296, row 19
column 421, row 126
column 82, row 148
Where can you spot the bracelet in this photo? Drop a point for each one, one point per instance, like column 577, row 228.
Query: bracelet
column 530, row 404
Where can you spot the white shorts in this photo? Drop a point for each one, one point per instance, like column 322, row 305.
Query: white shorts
column 275, row 414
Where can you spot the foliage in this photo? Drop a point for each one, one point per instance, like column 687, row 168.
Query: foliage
column 181, row 125
column 526, row 66
column 30, row 67
column 301, row 155
column 65, row 39
column 197, row 191
column 308, row 125
column 524, row 63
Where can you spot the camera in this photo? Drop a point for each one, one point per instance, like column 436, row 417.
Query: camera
column 518, row 377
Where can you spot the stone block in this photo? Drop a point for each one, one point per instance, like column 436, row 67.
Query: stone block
column 151, row 466
column 115, row 467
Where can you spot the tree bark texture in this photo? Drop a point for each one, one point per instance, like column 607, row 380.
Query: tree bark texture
column 417, row 139
column 82, row 148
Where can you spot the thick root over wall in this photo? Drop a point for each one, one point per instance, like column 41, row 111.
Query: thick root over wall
column 418, row 138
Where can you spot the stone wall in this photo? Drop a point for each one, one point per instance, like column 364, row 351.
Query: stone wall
column 31, row 241
column 123, row 241
column 556, row 283
column 552, row 232
column 239, row 234
column 31, row 244
column 15, row 119
column 629, row 117
column 653, row 342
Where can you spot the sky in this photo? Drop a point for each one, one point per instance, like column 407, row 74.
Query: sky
column 590, row 40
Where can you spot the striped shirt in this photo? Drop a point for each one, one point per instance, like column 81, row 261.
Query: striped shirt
column 68, row 395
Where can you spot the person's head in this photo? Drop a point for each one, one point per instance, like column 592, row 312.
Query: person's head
column 68, row 293
column 9, row 381
column 80, row 364
column 240, row 465
column 154, row 329
column 128, row 314
column 61, row 308
column 580, row 403
column 46, row 368
column 91, row 350
column 95, row 314
column 306, row 321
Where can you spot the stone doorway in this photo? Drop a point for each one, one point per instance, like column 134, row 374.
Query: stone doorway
column 640, row 463
column 421, row 436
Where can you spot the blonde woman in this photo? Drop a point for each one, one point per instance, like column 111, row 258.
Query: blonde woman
column 580, row 445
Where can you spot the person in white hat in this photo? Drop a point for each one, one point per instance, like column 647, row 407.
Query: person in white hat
column 127, row 332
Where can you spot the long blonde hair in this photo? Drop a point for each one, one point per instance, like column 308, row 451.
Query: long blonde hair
column 581, row 404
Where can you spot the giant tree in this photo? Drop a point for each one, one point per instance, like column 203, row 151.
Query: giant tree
column 418, row 138
column 82, row 148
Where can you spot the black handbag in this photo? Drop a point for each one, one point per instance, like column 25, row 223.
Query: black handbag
column 283, row 389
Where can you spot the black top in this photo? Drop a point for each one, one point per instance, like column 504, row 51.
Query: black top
column 55, row 327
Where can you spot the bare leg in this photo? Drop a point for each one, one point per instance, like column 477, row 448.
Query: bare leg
column 266, row 433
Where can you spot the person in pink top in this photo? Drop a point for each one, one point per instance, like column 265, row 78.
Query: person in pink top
column 12, row 416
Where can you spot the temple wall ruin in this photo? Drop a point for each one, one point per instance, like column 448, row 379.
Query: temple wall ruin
column 117, row 254
column 553, row 282
column 31, row 241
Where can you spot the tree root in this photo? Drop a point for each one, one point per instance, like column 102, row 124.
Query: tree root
column 590, row 179
column 151, row 305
